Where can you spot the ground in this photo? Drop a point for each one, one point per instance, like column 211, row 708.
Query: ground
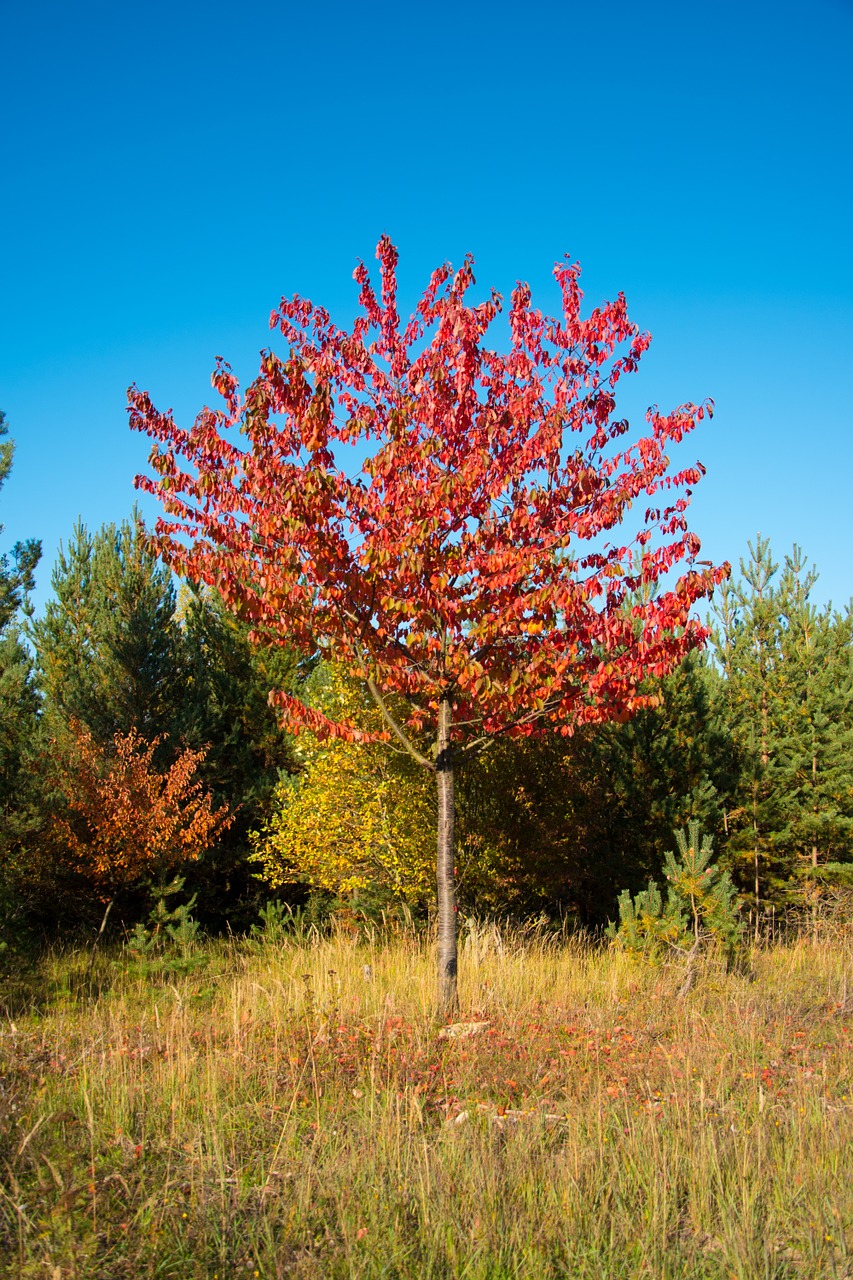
column 286, row 1106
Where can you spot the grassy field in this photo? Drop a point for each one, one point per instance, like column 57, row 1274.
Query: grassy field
column 289, row 1109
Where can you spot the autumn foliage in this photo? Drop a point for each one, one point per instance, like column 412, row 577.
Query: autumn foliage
column 357, row 819
column 126, row 820
column 484, row 565
column 472, row 555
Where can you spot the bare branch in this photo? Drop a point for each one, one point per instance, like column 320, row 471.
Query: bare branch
column 396, row 728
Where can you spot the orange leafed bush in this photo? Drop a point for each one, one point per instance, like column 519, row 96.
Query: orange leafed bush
column 125, row 819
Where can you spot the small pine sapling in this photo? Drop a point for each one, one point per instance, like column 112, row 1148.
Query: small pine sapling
column 170, row 932
column 647, row 925
column 706, row 891
column 701, row 909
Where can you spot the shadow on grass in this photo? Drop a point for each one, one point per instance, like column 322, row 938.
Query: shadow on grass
column 36, row 981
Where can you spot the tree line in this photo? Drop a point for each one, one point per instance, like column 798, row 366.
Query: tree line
column 137, row 740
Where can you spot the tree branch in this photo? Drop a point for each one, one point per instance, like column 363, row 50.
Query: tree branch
column 395, row 727
column 477, row 745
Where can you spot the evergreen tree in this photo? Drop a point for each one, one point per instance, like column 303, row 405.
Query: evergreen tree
column 701, row 905
column 747, row 643
column 65, row 635
column 19, row 797
column 19, row 790
column 670, row 764
column 788, row 697
column 224, row 707
column 16, row 576
column 108, row 645
column 816, row 748
column 225, row 701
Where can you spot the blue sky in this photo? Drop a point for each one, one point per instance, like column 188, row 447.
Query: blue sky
column 169, row 171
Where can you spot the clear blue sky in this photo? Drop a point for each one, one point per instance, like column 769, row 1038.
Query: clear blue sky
column 169, row 171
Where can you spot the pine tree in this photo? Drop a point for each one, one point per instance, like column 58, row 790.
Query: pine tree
column 19, row 793
column 225, row 702
column 788, row 692
column 107, row 645
column 748, row 648
column 65, row 637
column 670, row 764
column 816, row 749
column 224, row 708
column 16, row 577
column 701, row 906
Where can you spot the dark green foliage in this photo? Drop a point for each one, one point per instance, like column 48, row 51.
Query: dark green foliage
column 788, row 699
column 19, row 705
column 16, row 574
column 21, row 795
column 536, row 829
column 815, row 750
column 670, row 764
column 166, row 943
column 18, row 731
column 747, row 648
column 225, row 706
column 555, row 824
column 108, row 646
column 647, row 924
column 226, row 703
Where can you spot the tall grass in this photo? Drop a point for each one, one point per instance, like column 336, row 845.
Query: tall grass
column 289, row 1109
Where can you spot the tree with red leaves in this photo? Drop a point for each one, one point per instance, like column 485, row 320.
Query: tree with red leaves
column 468, row 571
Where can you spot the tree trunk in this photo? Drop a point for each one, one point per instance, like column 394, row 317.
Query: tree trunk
column 815, row 805
column 755, row 849
column 98, row 936
column 447, row 993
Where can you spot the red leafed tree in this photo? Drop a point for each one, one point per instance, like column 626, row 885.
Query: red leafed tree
column 475, row 569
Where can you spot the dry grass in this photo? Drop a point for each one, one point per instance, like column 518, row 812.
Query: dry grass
column 289, row 1112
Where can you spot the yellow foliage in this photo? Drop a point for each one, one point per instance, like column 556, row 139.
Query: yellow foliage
column 358, row 816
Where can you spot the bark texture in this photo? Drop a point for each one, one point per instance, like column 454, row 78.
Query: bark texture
column 447, row 921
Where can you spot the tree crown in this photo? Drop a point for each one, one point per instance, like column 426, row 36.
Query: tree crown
column 470, row 558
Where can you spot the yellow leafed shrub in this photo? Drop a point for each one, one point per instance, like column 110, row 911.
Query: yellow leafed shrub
column 358, row 817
